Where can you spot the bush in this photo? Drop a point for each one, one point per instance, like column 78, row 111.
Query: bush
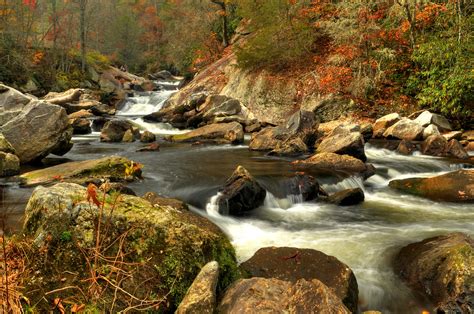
column 13, row 66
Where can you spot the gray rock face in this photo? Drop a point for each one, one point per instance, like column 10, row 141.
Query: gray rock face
column 426, row 118
column 405, row 129
column 344, row 142
column 261, row 295
column 430, row 130
column 9, row 165
column 34, row 128
column 201, row 296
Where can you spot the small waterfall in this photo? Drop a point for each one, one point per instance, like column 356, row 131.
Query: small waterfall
column 145, row 103
column 212, row 208
column 348, row 183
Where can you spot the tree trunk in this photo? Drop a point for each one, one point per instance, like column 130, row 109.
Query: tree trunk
column 225, row 35
column 82, row 7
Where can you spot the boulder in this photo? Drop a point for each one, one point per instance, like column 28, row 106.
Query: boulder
column 34, row 128
column 426, row 118
column 69, row 96
column 405, row 129
column 155, row 199
column 302, row 122
column 81, row 126
column 456, row 186
column 162, row 75
column 114, row 130
column 261, row 295
column 268, row 138
column 290, row 147
column 100, row 109
column 98, row 123
column 468, row 136
column 442, row 269
column 162, row 248
column 229, row 133
column 347, row 197
column 383, row 123
column 344, row 142
column 201, row 296
column 256, row 127
column 332, row 162
column 80, row 114
column 241, row 193
column 128, row 136
column 230, row 110
column 9, row 164
column 406, row 147
column 456, row 150
column 147, row 137
column 435, row 145
column 112, row 168
column 430, row 130
column 305, row 185
column 5, row 145
column 469, row 146
column 457, row 135
column 293, row 264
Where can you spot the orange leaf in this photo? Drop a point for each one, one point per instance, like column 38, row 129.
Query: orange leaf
column 77, row 308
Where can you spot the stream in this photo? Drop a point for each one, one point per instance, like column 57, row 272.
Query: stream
column 365, row 237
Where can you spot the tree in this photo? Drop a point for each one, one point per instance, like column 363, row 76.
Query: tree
column 82, row 10
column 223, row 13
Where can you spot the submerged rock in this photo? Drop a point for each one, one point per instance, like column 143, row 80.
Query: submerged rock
column 147, row 137
column 347, row 197
column 112, row 168
column 240, row 194
column 442, row 268
column 262, row 295
column 456, row 186
column 162, row 247
column 201, row 296
column 293, row 264
column 230, row 133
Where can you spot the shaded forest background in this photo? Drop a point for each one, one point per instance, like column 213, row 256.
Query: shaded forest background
column 409, row 52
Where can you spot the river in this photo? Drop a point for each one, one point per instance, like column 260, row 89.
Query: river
column 366, row 237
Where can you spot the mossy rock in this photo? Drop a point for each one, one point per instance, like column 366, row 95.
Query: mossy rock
column 163, row 248
column 113, row 168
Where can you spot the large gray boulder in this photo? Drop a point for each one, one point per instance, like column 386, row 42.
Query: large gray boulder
column 405, row 129
column 33, row 128
column 426, row 118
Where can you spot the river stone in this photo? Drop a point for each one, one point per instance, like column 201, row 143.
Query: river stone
column 344, row 143
column 406, row 147
column 80, row 114
column 290, row 147
column 37, row 130
column 231, row 133
column 128, row 136
column 262, row 295
column 456, row 150
column 114, row 130
column 332, row 162
column 240, row 194
column 435, row 145
column 383, row 123
column 442, row 268
column 112, row 168
column 201, row 296
column 164, row 248
column 153, row 147
column 405, row 129
column 302, row 122
column 305, row 186
column 9, row 164
column 268, row 138
column 147, row 137
column 456, row 186
column 468, row 136
column 347, row 197
column 292, row 264
column 426, row 118
column 457, row 135
column 156, row 199
column 5, row 145
column 430, row 130
column 81, row 126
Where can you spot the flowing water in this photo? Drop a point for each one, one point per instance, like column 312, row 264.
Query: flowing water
column 366, row 236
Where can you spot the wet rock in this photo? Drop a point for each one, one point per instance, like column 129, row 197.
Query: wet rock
column 469, row 146
column 147, row 137
column 442, row 269
column 456, row 150
column 240, row 194
column 290, row 147
column 347, row 197
column 405, row 129
column 230, row 110
column 344, row 143
column 456, row 135
column 5, row 145
column 268, row 138
column 64, row 98
column 80, row 114
column 293, row 264
column 153, row 147
column 100, row 109
column 128, row 136
column 332, row 162
column 305, row 185
column 367, row 131
column 166, row 247
column 116, row 187
column 201, row 296
column 456, row 186
column 98, row 123
column 81, row 126
column 156, row 199
column 382, row 124
column 406, row 147
column 34, row 128
column 256, row 127
column 260, row 295
column 162, row 75
column 426, row 118
column 434, row 145
column 468, row 136
column 114, row 130
column 9, row 164
column 112, row 168
column 430, row 130
column 231, row 133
